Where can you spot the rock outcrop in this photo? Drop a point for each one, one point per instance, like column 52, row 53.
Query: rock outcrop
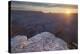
column 41, row 42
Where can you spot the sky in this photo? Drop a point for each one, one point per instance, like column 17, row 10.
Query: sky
column 44, row 7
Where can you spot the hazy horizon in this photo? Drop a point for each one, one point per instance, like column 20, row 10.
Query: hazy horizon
column 44, row 7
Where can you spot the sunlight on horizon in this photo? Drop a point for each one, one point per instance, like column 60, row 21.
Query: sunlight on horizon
column 67, row 9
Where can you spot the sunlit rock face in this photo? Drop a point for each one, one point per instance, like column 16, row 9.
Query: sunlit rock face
column 44, row 41
column 18, row 42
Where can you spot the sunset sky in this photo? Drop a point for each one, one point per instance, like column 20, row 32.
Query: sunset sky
column 44, row 7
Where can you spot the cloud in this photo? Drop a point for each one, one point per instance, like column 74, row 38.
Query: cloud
column 43, row 7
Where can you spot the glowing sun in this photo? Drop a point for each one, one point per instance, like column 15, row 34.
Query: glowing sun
column 68, row 12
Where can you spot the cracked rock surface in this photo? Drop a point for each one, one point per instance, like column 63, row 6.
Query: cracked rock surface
column 44, row 41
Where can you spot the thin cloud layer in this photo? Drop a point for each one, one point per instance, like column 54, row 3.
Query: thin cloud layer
column 43, row 7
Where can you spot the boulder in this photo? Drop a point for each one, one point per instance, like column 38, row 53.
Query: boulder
column 18, row 42
column 44, row 41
